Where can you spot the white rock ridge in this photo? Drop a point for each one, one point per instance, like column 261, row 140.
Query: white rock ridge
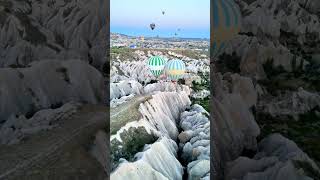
column 16, row 128
column 160, row 116
column 278, row 158
column 157, row 161
column 46, row 84
column 56, row 29
column 195, row 141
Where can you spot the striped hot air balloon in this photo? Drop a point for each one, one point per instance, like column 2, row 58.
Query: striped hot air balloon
column 225, row 24
column 175, row 69
column 156, row 65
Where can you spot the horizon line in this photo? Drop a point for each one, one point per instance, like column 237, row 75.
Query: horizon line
column 146, row 36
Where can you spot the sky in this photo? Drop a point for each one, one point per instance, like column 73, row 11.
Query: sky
column 133, row 17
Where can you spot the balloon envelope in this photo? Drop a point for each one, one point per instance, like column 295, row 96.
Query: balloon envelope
column 175, row 69
column 225, row 24
column 156, row 65
column 152, row 26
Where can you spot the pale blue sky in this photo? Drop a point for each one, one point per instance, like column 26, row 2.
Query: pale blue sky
column 133, row 17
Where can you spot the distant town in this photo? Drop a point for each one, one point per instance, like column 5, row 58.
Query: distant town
column 120, row 40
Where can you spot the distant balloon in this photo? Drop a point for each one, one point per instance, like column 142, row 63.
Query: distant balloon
column 175, row 69
column 156, row 65
column 152, row 26
column 225, row 22
column 163, row 12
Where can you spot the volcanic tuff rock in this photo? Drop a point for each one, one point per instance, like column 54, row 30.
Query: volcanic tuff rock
column 164, row 109
column 166, row 87
column 277, row 46
column 157, row 161
column 278, row 158
column 124, row 88
column 47, row 84
column 159, row 116
column 100, row 149
column 285, row 32
column 195, row 141
column 291, row 104
column 34, row 30
column 136, row 68
column 17, row 128
column 236, row 126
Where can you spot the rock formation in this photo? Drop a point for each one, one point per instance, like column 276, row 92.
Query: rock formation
column 38, row 30
column 267, row 76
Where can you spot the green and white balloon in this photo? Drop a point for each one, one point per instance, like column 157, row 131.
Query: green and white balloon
column 156, row 65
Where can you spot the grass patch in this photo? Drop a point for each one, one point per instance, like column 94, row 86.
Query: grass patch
column 205, row 103
column 199, row 86
column 133, row 141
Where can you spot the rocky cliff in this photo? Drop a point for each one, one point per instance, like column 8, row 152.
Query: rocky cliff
column 265, row 83
column 33, row 30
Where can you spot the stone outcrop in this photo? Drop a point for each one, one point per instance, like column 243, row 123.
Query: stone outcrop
column 159, row 117
column 125, row 88
column 278, row 158
column 48, row 84
column 195, row 142
column 291, row 104
column 157, row 161
column 166, row 87
column 100, row 150
column 16, row 128
column 282, row 32
column 234, row 125
column 58, row 29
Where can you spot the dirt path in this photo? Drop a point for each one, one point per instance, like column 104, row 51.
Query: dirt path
column 61, row 153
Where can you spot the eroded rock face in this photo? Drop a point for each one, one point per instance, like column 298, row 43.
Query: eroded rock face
column 135, row 66
column 37, row 30
column 163, row 111
column 278, row 158
column 166, row 87
column 100, row 150
column 125, row 88
column 16, row 128
column 159, row 118
column 283, row 32
column 277, row 46
column 47, row 84
column 291, row 104
column 235, row 126
column 153, row 163
column 195, row 142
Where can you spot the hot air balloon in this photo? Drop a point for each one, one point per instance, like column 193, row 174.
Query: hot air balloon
column 152, row 26
column 175, row 69
column 156, row 65
column 163, row 12
column 225, row 24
